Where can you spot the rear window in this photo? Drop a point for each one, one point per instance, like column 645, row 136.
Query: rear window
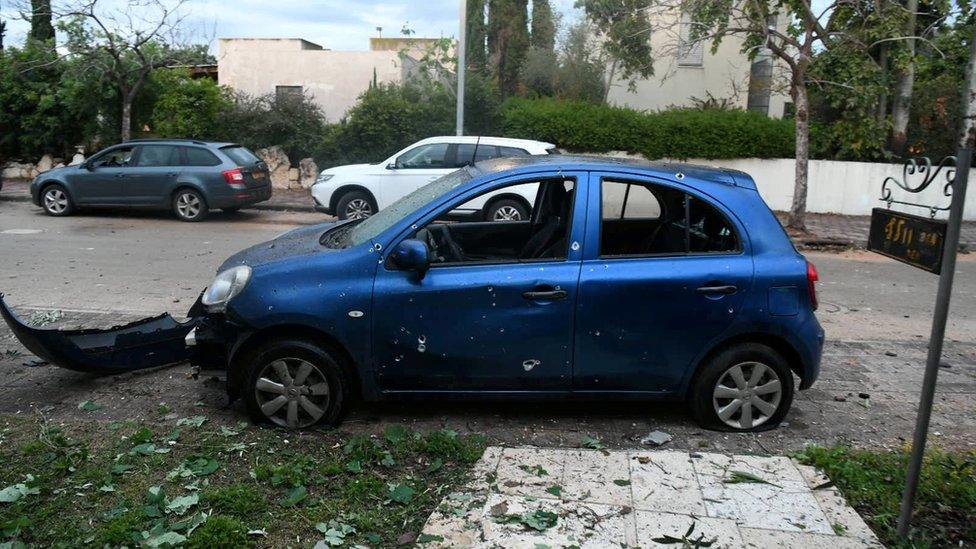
column 196, row 156
column 240, row 155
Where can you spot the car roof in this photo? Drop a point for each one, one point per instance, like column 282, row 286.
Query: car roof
column 487, row 140
column 175, row 141
column 672, row 170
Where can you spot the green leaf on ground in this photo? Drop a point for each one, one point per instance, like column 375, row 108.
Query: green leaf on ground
column 88, row 406
column 621, row 482
column 401, row 493
column 180, row 505
column 435, row 465
column 536, row 470
column 429, row 538
column 15, row 492
column 592, row 443
column 537, row 520
column 354, row 466
column 395, row 434
column 194, row 421
column 744, row 477
column 555, row 490
column 295, row 496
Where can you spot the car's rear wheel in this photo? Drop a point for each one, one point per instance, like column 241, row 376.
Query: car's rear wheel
column 746, row 387
column 355, row 205
column 294, row 384
column 506, row 209
column 189, row 205
column 55, row 201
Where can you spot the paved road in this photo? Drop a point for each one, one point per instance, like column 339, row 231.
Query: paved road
column 876, row 313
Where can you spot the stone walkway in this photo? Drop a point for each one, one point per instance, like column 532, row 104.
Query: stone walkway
column 533, row 497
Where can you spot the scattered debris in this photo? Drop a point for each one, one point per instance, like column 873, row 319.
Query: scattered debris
column 744, row 477
column 43, row 318
column 891, row 353
column 537, row 520
column 686, row 540
column 840, row 399
column 656, row 438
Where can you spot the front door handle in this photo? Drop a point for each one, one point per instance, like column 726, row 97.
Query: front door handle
column 725, row 289
column 545, row 295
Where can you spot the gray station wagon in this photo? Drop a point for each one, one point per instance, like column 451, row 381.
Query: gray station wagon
column 188, row 177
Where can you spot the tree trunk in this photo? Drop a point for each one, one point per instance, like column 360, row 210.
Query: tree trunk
column 609, row 80
column 903, row 89
column 882, row 113
column 126, row 132
column 798, row 210
column 968, row 134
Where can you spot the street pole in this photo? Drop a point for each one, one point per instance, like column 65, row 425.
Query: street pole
column 461, row 66
column 964, row 159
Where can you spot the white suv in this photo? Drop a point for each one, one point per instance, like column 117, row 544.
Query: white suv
column 360, row 190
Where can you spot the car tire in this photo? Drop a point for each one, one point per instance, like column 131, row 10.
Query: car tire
column 355, row 205
column 273, row 397
column 727, row 395
column 506, row 209
column 56, row 201
column 189, row 205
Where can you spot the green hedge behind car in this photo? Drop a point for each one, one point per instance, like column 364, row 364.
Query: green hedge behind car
column 675, row 133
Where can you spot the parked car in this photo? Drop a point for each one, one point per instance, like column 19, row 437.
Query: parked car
column 627, row 281
column 360, row 190
column 188, row 177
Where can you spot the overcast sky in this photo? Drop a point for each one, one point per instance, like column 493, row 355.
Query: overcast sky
column 335, row 24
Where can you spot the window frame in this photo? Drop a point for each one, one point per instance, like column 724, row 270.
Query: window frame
column 185, row 157
column 435, row 214
column 447, row 157
column 626, row 178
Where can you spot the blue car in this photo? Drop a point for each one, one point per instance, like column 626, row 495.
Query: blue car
column 627, row 281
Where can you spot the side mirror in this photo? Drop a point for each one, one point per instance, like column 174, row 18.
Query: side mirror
column 391, row 166
column 411, row 255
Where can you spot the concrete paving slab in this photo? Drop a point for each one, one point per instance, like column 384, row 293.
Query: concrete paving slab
column 635, row 498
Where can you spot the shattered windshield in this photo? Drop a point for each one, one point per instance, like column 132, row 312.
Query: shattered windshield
column 387, row 217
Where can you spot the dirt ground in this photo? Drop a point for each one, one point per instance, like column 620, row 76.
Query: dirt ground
column 833, row 411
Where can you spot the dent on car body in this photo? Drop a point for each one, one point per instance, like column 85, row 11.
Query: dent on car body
column 146, row 343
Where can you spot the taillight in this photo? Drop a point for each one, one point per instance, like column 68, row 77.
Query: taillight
column 812, row 278
column 234, row 178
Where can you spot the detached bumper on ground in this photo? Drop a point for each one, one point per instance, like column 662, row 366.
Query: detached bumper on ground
column 146, row 343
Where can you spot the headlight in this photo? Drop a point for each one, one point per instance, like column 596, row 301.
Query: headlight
column 323, row 177
column 228, row 284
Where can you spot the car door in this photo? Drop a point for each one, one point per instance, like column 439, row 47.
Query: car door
column 413, row 169
column 99, row 181
column 653, row 291
column 489, row 324
column 150, row 181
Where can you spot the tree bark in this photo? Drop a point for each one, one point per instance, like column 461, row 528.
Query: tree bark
column 882, row 113
column 801, row 103
column 967, row 138
column 126, row 132
column 903, row 89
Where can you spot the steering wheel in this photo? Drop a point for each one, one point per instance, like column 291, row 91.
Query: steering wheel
column 428, row 237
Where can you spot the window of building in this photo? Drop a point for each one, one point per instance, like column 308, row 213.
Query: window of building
column 289, row 93
column 690, row 50
column 642, row 219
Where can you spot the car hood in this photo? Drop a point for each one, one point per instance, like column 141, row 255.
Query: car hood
column 297, row 242
column 58, row 171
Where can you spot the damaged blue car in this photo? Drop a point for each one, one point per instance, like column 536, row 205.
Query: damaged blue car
column 629, row 280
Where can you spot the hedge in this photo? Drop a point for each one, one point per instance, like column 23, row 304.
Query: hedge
column 675, row 133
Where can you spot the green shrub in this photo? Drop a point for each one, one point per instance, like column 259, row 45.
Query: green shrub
column 674, row 133
column 186, row 107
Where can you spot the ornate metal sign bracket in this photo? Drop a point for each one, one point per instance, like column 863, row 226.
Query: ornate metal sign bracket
column 921, row 167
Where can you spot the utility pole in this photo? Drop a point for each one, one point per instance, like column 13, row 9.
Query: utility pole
column 461, row 65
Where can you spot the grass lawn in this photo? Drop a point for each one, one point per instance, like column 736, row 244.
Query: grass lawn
column 872, row 482
column 204, row 485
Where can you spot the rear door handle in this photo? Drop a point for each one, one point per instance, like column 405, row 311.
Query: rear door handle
column 726, row 289
column 545, row 295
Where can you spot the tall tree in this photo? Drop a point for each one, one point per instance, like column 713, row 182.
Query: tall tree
column 967, row 135
column 42, row 28
column 902, row 105
column 477, row 56
column 126, row 42
column 508, row 41
column 3, row 33
column 625, row 38
column 543, row 33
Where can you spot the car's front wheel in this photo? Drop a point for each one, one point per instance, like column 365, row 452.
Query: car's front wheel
column 294, row 384
column 56, row 202
column 746, row 387
column 355, row 205
column 189, row 205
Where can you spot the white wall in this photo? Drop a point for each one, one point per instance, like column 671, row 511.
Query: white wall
column 334, row 79
column 849, row 188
